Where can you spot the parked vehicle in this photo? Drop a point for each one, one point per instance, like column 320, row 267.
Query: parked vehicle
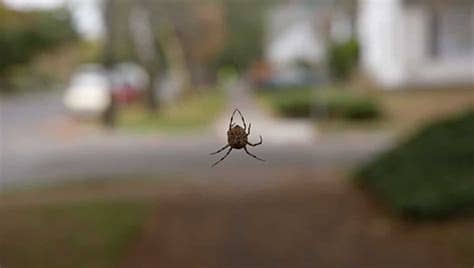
column 88, row 94
column 92, row 88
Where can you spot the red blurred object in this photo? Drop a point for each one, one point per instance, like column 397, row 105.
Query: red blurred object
column 129, row 82
column 126, row 94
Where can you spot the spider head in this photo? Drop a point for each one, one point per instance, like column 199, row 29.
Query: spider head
column 235, row 128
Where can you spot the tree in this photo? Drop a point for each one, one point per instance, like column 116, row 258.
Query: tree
column 244, row 31
column 25, row 34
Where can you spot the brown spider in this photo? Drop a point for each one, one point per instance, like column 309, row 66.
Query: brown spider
column 237, row 138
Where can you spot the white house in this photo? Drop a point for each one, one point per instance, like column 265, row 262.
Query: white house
column 417, row 42
column 298, row 31
column 291, row 35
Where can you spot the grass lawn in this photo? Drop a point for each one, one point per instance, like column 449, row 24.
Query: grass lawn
column 429, row 175
column 79, row 225
column 194, row 112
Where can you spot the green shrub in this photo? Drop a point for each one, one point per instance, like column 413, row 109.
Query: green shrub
column 347, row 105
column 294, row 103
column 343, row 58
column 429, row 175
column 289, row 102
column 337, row 104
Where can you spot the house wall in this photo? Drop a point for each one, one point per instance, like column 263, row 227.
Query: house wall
column 397, row 43
column 380, row 32
column 292, row 36
column 454, row 60
column 416, row 38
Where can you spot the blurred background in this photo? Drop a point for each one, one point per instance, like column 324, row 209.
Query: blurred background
column 109, row 110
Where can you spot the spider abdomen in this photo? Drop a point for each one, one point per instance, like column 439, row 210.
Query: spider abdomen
column 236, row 137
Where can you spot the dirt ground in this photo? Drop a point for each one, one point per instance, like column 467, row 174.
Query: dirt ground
column 299, row 223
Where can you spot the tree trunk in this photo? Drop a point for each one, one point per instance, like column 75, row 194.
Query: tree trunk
column 144, row 42
column 108, row 60
column 174, row 53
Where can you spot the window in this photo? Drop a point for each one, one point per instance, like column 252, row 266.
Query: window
column 451, row 31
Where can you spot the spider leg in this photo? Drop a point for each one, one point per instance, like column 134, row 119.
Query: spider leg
column 255, row 144
column 254, row 156
column 248, row 131
column 232, row 119
column 220, row 150
column 241, row 116
column 228, row 152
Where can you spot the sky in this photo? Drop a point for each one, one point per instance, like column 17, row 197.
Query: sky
column 86, row 13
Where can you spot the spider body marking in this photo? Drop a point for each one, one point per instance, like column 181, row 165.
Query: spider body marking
column 237, row 138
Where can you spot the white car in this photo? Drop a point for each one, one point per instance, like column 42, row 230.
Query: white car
column 89, row 92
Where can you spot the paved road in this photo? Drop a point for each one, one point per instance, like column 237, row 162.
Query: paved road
column 39, row 143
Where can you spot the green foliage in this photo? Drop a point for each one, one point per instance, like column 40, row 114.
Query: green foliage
column 343, row 58
column 295, row 102
column 429, row 175
column 333, row 103
column 26, row 34
column 347, row 105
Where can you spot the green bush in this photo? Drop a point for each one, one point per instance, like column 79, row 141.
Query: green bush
column 333, row 103
column 347, row 105
column 343, row 58
column 429, row 175
column 292, row 102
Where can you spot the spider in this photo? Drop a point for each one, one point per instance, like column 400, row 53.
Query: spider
column 237, row 138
